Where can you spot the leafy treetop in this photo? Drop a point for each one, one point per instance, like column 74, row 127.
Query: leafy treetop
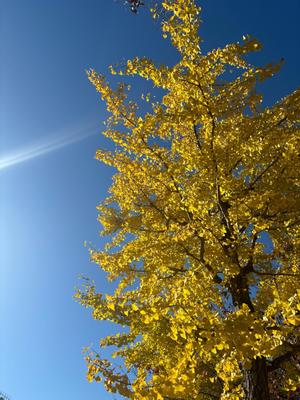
column 201, row 180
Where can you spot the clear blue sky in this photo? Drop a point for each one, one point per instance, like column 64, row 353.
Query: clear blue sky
column 50, row 125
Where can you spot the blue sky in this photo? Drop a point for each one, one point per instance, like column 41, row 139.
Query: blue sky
column 50, row 125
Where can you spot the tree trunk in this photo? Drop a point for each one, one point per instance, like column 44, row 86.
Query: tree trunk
column 256, row 382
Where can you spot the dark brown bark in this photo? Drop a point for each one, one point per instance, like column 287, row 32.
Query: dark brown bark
column 256, row 381
column 239, row 290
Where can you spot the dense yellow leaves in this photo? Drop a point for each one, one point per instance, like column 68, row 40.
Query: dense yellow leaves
column 202, row 218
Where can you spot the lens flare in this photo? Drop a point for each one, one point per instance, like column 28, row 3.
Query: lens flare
column 50, row 144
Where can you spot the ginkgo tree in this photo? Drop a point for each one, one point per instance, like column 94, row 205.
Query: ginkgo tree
column 202, row 220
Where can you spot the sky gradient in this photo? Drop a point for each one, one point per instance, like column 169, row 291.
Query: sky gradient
column 50, row 127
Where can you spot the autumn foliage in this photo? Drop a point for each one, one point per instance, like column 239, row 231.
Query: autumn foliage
column 202, row 223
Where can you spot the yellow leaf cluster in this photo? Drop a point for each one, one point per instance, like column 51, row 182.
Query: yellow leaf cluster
column 202, row 219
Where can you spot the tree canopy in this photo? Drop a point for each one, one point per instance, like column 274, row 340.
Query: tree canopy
column 202, row 220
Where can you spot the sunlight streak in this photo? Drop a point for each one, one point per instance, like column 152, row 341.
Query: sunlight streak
column 48, row 145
